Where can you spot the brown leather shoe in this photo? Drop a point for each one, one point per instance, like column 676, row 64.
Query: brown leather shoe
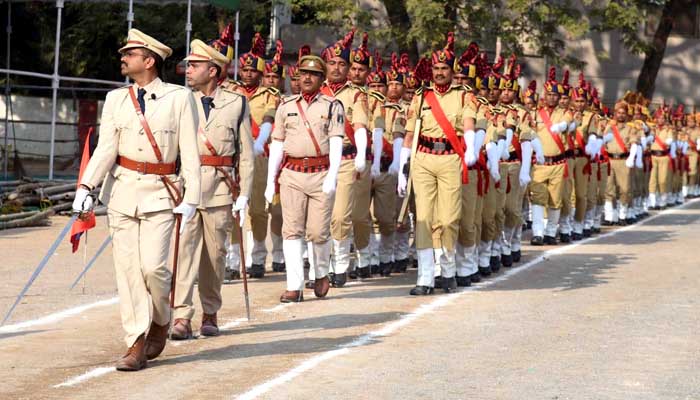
column 135, row 357
column 209, row 325
column 309, row 284
column 182, row 329
column 321, row 287
column 155, row 341
column 292, row 296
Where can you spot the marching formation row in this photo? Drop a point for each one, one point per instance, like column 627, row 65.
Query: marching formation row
column 453, row 152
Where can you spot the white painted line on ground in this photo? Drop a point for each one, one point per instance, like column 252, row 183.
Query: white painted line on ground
column 51, row 318
column 94, row 373
column 441, row 301
column 278, row 307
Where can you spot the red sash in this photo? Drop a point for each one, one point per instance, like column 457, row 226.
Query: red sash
column 518, row 148
column 349, row 131
column 447, row 129
column 618, row 139
column 557, row 139
column 587, row 170
column 658, row 141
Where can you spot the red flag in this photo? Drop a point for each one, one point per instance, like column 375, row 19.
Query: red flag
column 87, row 221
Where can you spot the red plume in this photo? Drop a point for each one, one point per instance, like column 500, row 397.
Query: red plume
column 365, row 39
column 581, row 80
column 516, row 71
column 227, row 36
column 552, row 75
column 532, row 86
column 470, row 55
column 496, row 67
column 450, row 42
column 378, row 61
column 278, row 52
column 347, row 40
column 423, row 71
column 395, row 62
column 304, row 50
column 565, row 79
column 404, row 62
column 258, row 48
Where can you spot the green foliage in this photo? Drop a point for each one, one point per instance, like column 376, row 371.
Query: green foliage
column 625, row 16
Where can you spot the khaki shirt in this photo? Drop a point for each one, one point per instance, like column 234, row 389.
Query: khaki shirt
column 664, row 133
column 376, row 111
column 453, row 104
column 262, row 103
column 521, row 120
column 549, row 145
column 395, row 119
column 172, row 117
column 355, row 105
column 693, row 135
column 629, row 134
column 228, row 131
column 326, row 118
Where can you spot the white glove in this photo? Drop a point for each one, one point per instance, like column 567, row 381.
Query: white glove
column 697, row 144
column 685, row 148
column 590, row 145
column 403, row 182
column 559, row 127
column 599, row 146
column 187, row 211
column 633, row 153
column 377, row 141
column 669, row 141
column 608, row 137
column 673, row 149
column 555, row 128
column 638, row 162
column 273, row 165
column 335, row 154
column 539, row 152
column 479, row 141
column 470, row 151
column 524, row 176
column 361, row 144
column 492, row 153
column 240, row 207
column 396, row 147
column 259, row 145
column 501, row 146
column 83, row 201
column 505, row 155
column 572, row 126
column 645, row 127
column 643, row 142
column 650, row 139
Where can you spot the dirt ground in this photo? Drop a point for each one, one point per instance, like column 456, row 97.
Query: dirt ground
column 615, row 317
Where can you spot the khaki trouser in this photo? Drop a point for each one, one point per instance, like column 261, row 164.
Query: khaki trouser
column 306, row 209
column 693, row 173
column 547, row 185
column 384, row 200
column 494, row 202
column 141, row 246
column 514, row 197
column 567, row 193
column 258, row 215
column 659, row 181
column 437, row 186
column 341, row 218
column 581, row 182
column 603, row 184
column 619, row 183
column 202, row 259
column 639, row 183
column 361, row 218
column 592, row 189
column 468, row 222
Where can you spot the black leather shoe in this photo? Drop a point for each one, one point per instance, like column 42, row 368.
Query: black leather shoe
column 374, row 269
column 632, row 221
column 549, row 240
column 353, row 274
column 279, row 267
column 385, row 269
column 485, row 271
column 537, row 241
column 528, row 225
column 307, row 264
column 310, row 284
column 507, row 260
column 400, row 266
column 475, row 277
column 595, row 230
column 421, row 291
column 364, row 273
column 339, row 280
column 464, row 281
column 449, row 285
column 256, row 271
column 495, row 264
column 587, row 233
column 607, row 223
column 565, row 238
column 438, row 282
column 622, row 222
column 414, row 263
column 516, row 256
column 576, row 236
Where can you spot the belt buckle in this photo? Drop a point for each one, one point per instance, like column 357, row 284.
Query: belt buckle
column 439, row 146
column 305, row 162
column 141, row 167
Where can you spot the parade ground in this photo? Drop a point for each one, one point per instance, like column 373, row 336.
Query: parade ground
column 610, row 317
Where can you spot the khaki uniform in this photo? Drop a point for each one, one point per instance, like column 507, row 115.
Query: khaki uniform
column 139, row 207
column 262, row 103
column 660, row 180
column 693, row 136
column 350, row 185
column 582, row 171
column 202, row 246
column 306, row 209
column 619, row 186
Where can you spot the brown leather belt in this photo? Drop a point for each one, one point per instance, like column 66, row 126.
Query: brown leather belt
column 618, row 156
column 555, row 160
column 143, row 167
column 216, row 161
column 659, row 153
column 308, row 162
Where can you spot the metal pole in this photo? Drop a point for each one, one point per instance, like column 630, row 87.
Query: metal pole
column 236, row 37
column 55, row 84
column 188, row 30
column 7, row 90
column 129, row 22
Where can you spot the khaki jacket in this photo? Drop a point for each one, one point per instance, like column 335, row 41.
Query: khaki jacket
column 171, row 115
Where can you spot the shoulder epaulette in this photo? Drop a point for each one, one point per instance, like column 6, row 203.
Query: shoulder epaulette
column 421, row 89
column 377, row 95
column 361, row 88
column 273, row 90
column 290, row 98
column 482, row 100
